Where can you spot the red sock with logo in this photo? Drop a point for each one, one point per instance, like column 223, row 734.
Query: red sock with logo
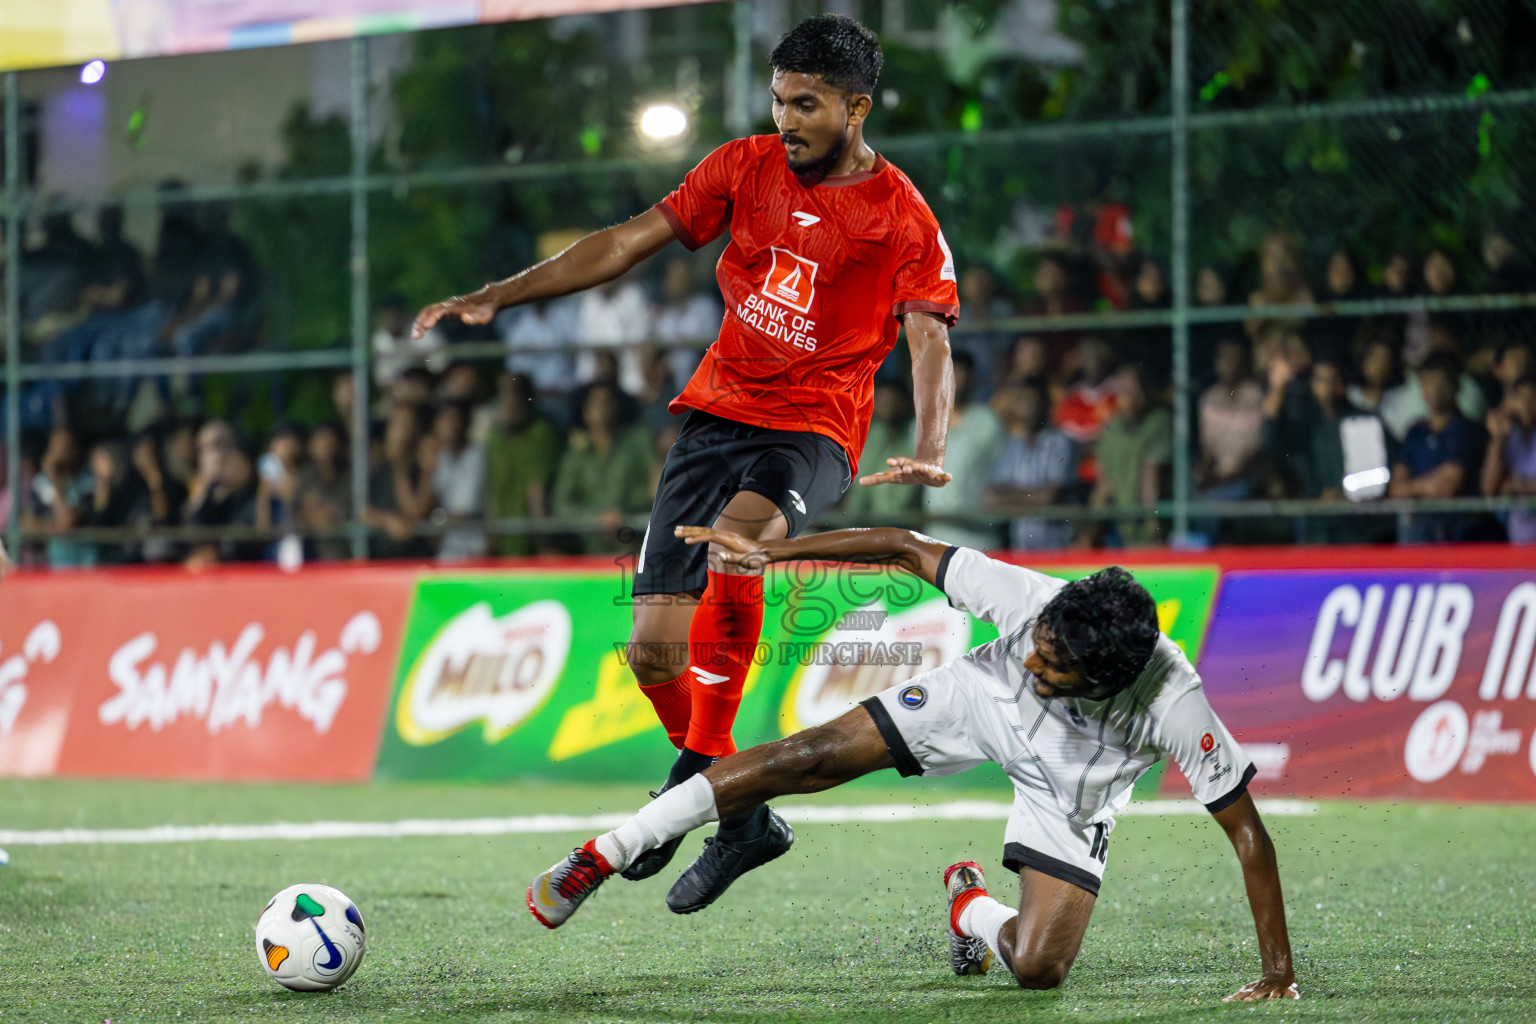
column 721, row 643
column 673, row 702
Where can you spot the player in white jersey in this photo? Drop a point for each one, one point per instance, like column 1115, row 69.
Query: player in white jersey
column 1078, row 696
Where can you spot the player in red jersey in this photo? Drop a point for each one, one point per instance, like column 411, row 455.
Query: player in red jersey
column 832, row 250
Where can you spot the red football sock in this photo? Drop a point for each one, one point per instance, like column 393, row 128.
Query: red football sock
column 722, row 641
column 673, row 702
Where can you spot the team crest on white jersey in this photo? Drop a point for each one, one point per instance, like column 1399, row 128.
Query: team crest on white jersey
column 805, row 219
column 791, row 280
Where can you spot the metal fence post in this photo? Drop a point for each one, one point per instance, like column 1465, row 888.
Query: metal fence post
column 361, row 391
column 1180, row 270
column 738, row 118
column 13, row 307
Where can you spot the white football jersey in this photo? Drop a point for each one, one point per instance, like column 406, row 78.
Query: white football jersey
column 1089, row 753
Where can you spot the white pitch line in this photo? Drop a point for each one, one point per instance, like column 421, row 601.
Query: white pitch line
column 959, row 810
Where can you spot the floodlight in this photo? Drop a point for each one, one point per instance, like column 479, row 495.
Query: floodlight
column 663, row 121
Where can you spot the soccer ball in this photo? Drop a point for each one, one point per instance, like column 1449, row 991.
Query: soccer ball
column 310, row 938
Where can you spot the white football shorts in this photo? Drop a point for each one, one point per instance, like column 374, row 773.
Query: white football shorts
column 952, row 719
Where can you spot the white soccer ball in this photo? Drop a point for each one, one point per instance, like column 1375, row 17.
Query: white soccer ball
column 310, row 938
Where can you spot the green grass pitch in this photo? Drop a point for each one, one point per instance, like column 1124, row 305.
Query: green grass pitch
column 1397, row 912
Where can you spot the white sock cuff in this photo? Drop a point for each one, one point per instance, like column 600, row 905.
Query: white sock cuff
column 676, row 812
column 984, row 918
column 682, row 808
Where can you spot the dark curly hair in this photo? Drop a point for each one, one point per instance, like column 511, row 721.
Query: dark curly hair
column 1108, row 623
column 844, row 53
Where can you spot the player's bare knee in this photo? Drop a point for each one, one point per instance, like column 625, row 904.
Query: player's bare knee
column 653, row 662
column 1040, row 970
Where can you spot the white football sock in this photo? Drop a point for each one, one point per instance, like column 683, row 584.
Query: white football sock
column 676, row 812
column 983, row 918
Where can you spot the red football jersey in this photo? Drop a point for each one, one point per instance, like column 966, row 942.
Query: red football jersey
column 813, row 281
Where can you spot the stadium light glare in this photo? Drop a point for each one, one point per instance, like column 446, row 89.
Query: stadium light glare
column 93, row 72
column 661, row 122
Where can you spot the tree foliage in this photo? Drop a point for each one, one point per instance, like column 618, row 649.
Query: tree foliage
column 557, row 91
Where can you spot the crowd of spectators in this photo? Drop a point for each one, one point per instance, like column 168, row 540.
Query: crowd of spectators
column 1334, row 408
column 102, row 301
column 566, row 432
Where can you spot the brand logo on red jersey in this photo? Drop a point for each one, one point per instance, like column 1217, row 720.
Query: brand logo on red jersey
column 791, row 280
column 946, row 272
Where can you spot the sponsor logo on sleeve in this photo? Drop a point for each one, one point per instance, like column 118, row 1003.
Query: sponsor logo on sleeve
column 947, row 272
column 914, row 697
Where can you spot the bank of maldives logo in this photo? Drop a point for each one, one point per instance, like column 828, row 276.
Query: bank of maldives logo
column 791, row 280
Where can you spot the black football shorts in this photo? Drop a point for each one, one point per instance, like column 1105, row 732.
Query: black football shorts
column 713, row 459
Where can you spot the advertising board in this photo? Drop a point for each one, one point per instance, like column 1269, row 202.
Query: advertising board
column 504, row 675
column 249, row 676
column 1414, row 684
column 36, row 34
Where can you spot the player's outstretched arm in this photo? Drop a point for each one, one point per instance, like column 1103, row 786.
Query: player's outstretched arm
column 933, row 398
column 883, row 546
column 596, row 259
column 1261, row 877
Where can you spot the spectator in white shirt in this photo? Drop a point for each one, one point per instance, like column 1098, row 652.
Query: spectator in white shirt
column 615, row 316
column 539, row 337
